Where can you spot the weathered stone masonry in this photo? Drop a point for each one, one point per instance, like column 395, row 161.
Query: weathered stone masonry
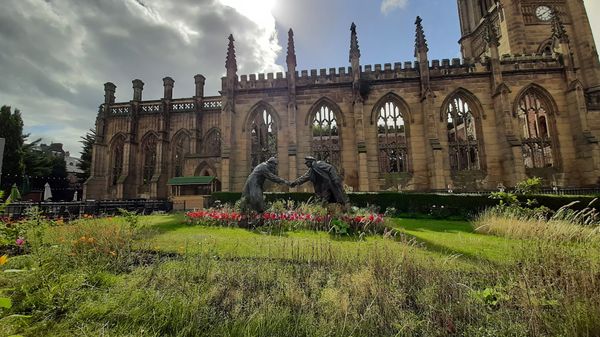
column 511, row 108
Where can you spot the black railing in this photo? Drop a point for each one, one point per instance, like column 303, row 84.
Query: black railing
column 72, row 210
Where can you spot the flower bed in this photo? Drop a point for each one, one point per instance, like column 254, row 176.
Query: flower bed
column 291, row 220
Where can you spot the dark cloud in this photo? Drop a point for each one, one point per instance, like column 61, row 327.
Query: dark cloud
column 55, row 55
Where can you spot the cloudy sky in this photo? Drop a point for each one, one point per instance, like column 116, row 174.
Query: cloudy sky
column 55, row 55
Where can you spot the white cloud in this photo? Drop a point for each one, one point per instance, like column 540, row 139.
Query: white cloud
column 593, row 10
column 259, row 12
column 389, row 5
column 55, row 55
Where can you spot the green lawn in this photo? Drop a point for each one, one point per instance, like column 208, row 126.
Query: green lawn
column 432, row 278
column 457, row 238
column 454, row 243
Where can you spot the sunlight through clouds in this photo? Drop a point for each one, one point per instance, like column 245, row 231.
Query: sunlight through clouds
column 260, row 12
column 593, row 8
column 389, row 5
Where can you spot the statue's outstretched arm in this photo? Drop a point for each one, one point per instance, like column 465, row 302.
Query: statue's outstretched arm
column 272, row 177
column 302, row 179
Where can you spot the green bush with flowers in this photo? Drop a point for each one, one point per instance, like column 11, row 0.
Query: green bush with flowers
column 287, row 215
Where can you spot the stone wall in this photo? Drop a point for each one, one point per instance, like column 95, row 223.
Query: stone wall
column 491, row 82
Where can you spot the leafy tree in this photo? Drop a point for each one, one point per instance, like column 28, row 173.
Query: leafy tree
column 42, row 167
column 59, row 174
column 58, row 167
column 37, row 163
column 85, row 163
column 11, row 128
column 24, row 164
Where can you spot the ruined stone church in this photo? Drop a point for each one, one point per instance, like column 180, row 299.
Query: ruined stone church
column 523, row 101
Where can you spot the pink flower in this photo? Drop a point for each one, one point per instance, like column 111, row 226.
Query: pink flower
column 20, row 242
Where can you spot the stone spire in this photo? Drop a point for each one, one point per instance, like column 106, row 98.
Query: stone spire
column 168, row 83
column 420, row 41
column 491, row 34
column 109, row 93
column 199, row 80
column 561, row 40
column 138, row 87
column 291, row 50
column 292, row 106
column 558, row 29
column 291, row 76
column 230, row 62
column 421, row 51
column 354, row 50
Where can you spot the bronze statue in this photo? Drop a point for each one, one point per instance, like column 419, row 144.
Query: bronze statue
column 325, row 179
column 252, row 195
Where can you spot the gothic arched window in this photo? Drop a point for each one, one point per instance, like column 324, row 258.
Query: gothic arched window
column 535, row 130
column 546, row 48
column 462, row 136
column 263, row 137
column 117, row 160
column 181, row 147
column 211, row 145
column 149, row 160
column 392, row 139
column 326, row 136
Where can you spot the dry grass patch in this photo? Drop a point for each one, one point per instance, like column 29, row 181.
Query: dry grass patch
column 504, row 222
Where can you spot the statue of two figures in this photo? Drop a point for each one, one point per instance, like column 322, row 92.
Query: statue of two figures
column 324, row 177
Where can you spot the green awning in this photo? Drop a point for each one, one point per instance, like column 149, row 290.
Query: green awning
column 185, row 181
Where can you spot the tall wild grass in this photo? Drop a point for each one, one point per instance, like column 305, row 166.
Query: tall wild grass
column 298, row 288
column 566, row 225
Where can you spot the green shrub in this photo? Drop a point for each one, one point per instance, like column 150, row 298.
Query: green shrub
column 529, row 186
column 433, row 205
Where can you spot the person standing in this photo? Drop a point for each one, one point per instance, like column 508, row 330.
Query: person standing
column 252, row 194
column 325, row 179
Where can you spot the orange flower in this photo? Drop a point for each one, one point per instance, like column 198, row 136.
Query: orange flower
column 3, row 259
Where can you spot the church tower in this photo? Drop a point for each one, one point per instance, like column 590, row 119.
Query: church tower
column 526, row 27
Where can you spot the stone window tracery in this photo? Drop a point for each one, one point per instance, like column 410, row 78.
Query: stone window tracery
column 212, row 144
column 463, row 144
column 263, row 137
column 326, row 136
column 117, row 160
column 392, row 139
column 149, row 161
column 180, row 149
column 535, row 131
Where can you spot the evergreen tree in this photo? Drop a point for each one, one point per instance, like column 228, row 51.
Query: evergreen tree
column 11, row 128
column 43, row 166
column 85, row 163
column 37, row 163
